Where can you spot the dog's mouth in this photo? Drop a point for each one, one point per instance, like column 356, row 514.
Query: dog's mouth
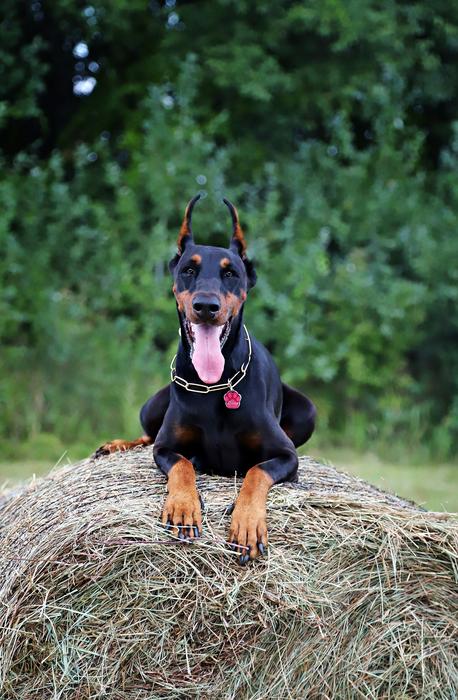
column 206, row 342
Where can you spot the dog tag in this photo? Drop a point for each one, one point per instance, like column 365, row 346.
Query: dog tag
column 232, row 399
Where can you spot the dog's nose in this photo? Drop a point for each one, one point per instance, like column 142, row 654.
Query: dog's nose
column 206, row 307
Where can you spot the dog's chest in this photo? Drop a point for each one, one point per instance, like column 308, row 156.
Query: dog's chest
column 226, row 439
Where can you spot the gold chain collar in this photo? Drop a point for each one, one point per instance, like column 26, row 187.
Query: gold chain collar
column 205, row 388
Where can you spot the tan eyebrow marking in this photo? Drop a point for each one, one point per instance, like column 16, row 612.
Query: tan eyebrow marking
column 225, row 262
column 197, row 258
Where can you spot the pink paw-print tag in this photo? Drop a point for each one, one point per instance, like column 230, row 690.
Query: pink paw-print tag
column 232, row 399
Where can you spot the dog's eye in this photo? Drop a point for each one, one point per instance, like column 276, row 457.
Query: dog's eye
column 190, row 271
column 229, row 273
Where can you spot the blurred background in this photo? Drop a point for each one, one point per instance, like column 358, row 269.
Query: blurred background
column 332, row 125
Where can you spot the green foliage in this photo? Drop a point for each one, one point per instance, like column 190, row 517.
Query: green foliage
column 22, row 72
column 332, row 125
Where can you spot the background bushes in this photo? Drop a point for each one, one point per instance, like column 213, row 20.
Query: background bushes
column 334, row 128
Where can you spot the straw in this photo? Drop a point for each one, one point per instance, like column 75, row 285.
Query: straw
column 356, row 598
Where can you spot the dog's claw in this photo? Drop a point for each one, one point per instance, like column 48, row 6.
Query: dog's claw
column 229, row 509
column 202, row 502
column 100, row 452
column 245, row 557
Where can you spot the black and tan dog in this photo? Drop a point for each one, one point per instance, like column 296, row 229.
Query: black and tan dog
column 226, row 410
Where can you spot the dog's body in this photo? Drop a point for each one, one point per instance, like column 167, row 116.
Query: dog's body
column 249, row 427
column 272, row 420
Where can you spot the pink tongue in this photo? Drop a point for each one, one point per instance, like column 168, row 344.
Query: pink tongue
column 207, row 357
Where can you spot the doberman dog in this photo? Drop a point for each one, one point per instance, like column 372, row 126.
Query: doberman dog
column 226, row 410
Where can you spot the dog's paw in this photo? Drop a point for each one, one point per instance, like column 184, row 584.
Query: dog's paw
column 248, row 532
column 120, row 446
column 182, row 514
column 110, row 447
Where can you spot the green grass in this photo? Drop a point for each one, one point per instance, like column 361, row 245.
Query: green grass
column 434, row 486
column 14, row 471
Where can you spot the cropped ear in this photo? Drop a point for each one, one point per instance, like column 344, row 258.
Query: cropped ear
column 185, row 235
column 250, row 272
column 174, row 262
column 237, row 244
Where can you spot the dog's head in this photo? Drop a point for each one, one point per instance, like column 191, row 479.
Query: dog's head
column 210, row 287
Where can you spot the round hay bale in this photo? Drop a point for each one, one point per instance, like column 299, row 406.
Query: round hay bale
column 356, row 598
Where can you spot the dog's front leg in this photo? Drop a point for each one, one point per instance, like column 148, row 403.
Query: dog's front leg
column 182, row 510
column 248, row 531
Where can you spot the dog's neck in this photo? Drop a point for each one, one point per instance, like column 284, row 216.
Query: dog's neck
column 235, row 352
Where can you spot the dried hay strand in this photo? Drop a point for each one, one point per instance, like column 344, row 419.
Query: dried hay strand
column 356, row 597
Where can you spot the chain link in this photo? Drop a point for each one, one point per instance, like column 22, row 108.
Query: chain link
column 204, row 388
